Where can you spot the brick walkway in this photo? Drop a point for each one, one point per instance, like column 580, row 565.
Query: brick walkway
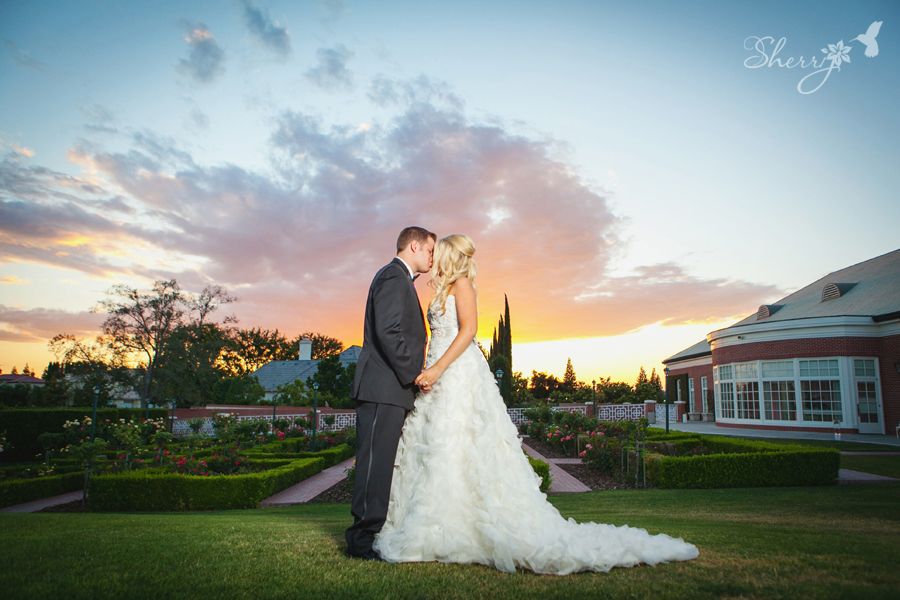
column 309, row 488
column 851, row 476
column 36, row 505
column 561, row 481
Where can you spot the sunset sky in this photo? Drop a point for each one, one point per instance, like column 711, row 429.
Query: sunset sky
column 629, row 182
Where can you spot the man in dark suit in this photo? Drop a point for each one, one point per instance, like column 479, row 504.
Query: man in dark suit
column 392, row 356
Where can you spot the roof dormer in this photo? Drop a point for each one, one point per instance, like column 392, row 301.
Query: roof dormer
column 835, row 290
column 766, row 310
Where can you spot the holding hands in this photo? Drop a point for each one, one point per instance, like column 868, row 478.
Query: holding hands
column 428, row 377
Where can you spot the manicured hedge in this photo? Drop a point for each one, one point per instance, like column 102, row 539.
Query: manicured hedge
column 542, row 469
column 745, row 463
column 24, row 425
column 332, row 455
column 144, row 490
column 16, row 491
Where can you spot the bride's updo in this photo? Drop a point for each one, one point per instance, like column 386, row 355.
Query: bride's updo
column 452, row 260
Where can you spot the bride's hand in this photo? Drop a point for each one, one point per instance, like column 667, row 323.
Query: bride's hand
column 428, row 377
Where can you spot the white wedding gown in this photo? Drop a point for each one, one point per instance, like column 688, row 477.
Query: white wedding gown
column 464, row 492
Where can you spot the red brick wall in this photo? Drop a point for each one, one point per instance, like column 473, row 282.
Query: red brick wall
column 695, row 373
column 890, row 381
column 887, row 349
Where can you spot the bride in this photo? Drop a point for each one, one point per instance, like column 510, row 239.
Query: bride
column 463, row 490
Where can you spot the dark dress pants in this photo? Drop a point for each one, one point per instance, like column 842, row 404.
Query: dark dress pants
column 378, row 428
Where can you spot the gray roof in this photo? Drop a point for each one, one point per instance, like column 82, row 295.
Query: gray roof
column 280, row 372
column 701, row 348
column 870, row 288
column 876, row 291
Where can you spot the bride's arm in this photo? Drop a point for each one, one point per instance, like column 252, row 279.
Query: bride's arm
column 467, row 316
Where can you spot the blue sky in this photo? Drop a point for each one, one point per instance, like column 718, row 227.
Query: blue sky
column 684, row 172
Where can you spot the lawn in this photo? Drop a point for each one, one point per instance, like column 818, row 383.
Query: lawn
column 879, row 465
column 828, row 542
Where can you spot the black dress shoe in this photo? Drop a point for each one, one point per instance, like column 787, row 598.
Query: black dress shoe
column 368, row 555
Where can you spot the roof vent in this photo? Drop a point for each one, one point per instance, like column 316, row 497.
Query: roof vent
column 835, row 290
column 767, row 310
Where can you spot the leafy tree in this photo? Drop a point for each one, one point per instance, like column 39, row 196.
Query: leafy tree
column 252, row 348
column 295, row 393
column 331, row 377
column 543, row 384
column 139, row 323
column 323, row 346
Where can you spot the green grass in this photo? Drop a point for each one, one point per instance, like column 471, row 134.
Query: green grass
column 828, row 542
column 879, row 465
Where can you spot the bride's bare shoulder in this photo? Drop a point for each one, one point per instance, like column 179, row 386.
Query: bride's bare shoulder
column 462, row 287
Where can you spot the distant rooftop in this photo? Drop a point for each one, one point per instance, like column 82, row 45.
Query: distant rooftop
column 280, row 372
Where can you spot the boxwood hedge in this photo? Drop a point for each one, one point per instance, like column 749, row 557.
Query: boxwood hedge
column 741, row 463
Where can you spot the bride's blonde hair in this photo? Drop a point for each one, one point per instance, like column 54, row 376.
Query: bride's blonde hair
column 452, row 260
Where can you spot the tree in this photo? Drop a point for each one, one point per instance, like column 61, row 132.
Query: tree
column 543, row 384
column 500, row 353
column 188, row 367
column 332, row 378
column 250, row 349
column 615, row 392
column 323, row 346
column 139, row 323
column 644, row 388
column 569, row 382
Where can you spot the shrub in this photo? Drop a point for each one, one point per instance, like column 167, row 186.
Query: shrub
column 744, row 463
column 24, row 425
column 150, row 490
column 16, row 491
column 543, row 470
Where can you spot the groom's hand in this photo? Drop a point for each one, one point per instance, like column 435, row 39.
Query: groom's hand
column 423, row 384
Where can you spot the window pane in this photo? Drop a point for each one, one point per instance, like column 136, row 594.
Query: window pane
column 725, row 372
column 821, row 400
column 819, row 368
column 780, row 403
column 778, row 369
column 747, row 399
column 864, row 367
column 726, row 400
column 745, row 371
column 866, row 402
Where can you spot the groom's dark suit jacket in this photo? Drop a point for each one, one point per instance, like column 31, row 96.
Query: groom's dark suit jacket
column 393, row 351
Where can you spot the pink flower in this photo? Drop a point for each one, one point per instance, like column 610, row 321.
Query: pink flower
column 582, row 453
column 588, row 447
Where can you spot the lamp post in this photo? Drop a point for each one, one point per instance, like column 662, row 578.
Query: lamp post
column 274, row 407
column 498, row 375
column 315, row 415
column 666, row 371
column 94, row 412
column 594, row 396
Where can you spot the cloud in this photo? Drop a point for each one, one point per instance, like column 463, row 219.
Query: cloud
column 206, row 59
column 22, row 58
column 330, row 72
column 271, row 35
column 298, row 243
column 41, row 324
column 12, row 280
column 99, row 118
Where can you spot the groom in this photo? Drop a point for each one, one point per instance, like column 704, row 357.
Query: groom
column 392, row 356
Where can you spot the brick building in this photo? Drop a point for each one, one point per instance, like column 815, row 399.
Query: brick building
column 823, row 358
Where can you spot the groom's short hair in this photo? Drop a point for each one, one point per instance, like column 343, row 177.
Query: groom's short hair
column 409, row 234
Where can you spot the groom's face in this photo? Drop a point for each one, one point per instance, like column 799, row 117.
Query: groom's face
column 423, row 255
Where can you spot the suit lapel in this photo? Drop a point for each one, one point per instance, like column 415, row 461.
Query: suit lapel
column 412, row 287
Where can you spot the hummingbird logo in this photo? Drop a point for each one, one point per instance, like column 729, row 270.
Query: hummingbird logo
column 868, row 40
